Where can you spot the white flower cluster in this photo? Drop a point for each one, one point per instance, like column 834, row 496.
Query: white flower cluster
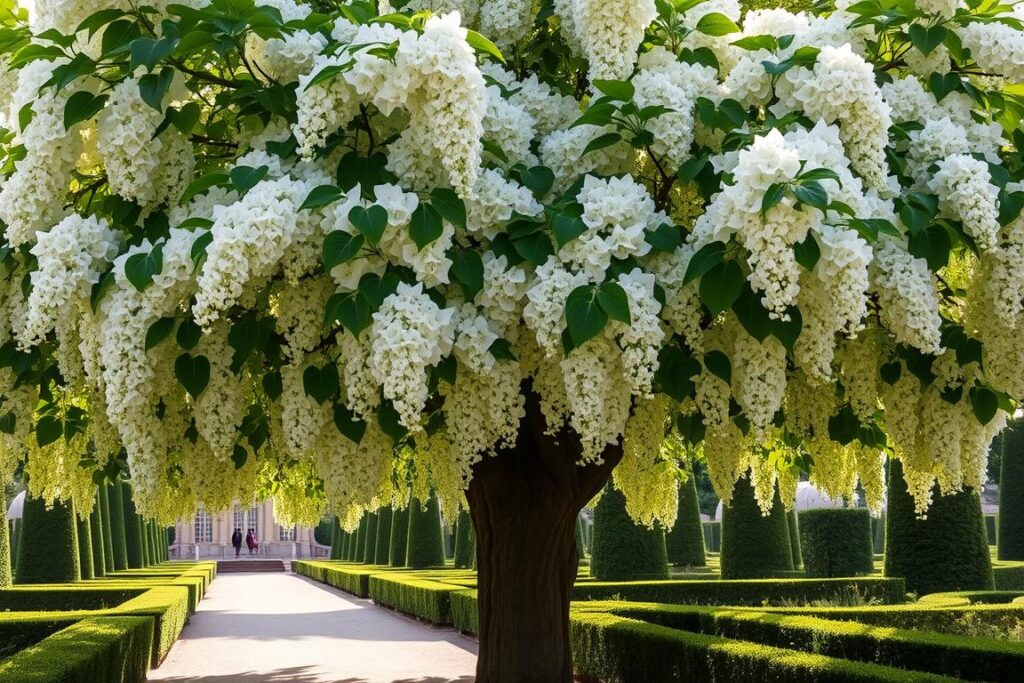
column 71, row 258
column 599, row 401
column 641, row 340
column 544, row 313
column 410, row 334
column 609, row 32
column 507, row 20
column 964, row 187
column 219, row 409
column 996, row 47
column 907, row 296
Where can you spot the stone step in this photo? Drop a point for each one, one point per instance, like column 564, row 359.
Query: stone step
column 250, row 566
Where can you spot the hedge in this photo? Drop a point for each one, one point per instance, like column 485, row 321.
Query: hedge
column 115, row 499
column 948, row 551
column 836, row 542
column 425, row 547
column 132, row 529
column 351, row 579
column 754, row 545
column 407, row 593
column 684, row 544
column 747, row 592
column 83, row 533
column 48, row 549
column 382, row 543
column 359, row 540
column 369, row 550
column 465, row 612
column 465, row 541
column 966, row 658
column 99, row 550
column 99, row 650
column 399, row 537
column 793, row 526
column 1010, row 522
column 1008, row 576
column 624, row 550
column 6, row 570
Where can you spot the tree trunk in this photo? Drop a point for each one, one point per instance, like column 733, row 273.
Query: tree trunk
column 524, row 504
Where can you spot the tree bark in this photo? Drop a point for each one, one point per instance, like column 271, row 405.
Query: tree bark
column 524, row 504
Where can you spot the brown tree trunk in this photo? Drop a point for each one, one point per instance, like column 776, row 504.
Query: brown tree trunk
column 524, row 504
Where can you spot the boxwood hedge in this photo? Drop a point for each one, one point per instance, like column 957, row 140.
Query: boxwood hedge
column 754, row 545
column 48, row 551
column 836, row 542
column 624, row 550
column 684, row 544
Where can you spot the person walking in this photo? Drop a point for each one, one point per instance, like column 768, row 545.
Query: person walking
column 250, row 540
column 236, row 541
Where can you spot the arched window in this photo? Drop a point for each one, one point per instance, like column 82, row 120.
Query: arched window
column 204, row 527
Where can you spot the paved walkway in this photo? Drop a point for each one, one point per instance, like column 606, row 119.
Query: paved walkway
column 281, row 627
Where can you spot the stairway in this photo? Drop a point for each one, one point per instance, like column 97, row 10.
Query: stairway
column 260, row 565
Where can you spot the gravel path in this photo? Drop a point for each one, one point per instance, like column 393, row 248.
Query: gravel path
column 283, row 627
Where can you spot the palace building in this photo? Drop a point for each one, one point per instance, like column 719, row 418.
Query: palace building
column 209, row 535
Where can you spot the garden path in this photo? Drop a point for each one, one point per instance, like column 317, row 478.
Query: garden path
column 282, row 627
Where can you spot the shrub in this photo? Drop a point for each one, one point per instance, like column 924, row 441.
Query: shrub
column 465, row 541
column 684, row 544
column 115, row 499
column 878, row 533
column 1010, row 521
column 836, row 542
column 464, row 611
column 991, row 523
column 61, row 598
column 83, row 534
column 624, row 550
column 48, row 551
column 382, row 543
column 948, row 551
column 747, row 591
column 6, row 573
column 132, row 530
column 399, row 537
column 356, row 551
column 1008, row 576
column 336, row 539
column 754, row 545
column 100, row 650
column 425, row 547
column 423, row 598
column 794, row 538
column 99, row 552
column 351, row 579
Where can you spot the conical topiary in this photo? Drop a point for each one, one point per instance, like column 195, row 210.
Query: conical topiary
column 356, row 551
column 948, row 551
column 335, row 540
column 685, row 542
column 624, row 550
column 1010, row 521
column 369, row 549
column 99, row 554
column 399, row 537
column 48, row 548
column 6, row 567
column 794, row 538
column 103, row 500
column 425, row 547
column 465, row 541
column 754, row 546
column 84, row 537
column 118, row 542
column 382, row 552
column 132, row 530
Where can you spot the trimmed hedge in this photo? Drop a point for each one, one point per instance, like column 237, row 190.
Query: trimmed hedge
column 359, row 539
column 684, row 544
column 948, row 551
column 369, row 549
column 747, row 592
column 1010, row 522
column 425, row 547
column 132, row 529
column 465, row 612
column 423, row 598
column 793, row 524
column 48, row 550
column 624, row 550
column 465, row 541
column 753, row 545
column 1008, row 576
column 351, row 579
column 118, row 542
column 83, row 533
column 100, row 650
column 99, row 551
column 382, row 544
column 836, row 542
column 399, row 537
column 336, row 540
column 6, row 570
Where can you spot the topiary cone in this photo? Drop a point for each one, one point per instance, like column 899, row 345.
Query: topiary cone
column 624, row 550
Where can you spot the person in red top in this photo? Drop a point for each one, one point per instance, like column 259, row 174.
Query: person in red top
column 250, row 541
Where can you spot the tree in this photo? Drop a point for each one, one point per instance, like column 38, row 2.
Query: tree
column 793, row 525
column 754, row 545
column 947, row 551
column 837, row 542
column 369, row 549
column 328, row 254
column 623, row 549
column 1010, row 521
column 48, row 548
column 685, row 542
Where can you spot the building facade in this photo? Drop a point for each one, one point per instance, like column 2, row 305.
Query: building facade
column 209, row 535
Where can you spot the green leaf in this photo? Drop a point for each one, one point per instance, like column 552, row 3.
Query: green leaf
column 819, row 174
column 272, row 385
column 752, row 315
column 844, row 427
column 348, row 424
column 692, row 168
column 943, row 84
column 613, row 300
column 807, row 252
column 567, row 228
column 340, row 247
column 870, row 228
column 755, row 43
column 812, row 194
column 82, row 106
column 584, row 317
column 717, row 24
column 189, row 334
column 805, row 56
column 787, row 331
column 984, row 403
column 890, row 372
column 599, row 114
column 926, row 38
column 772, row 196
column 718, row 365
column 600, row 142
column 239, row 456
column 140, row 268
column 199, row 247
column 158, row 331
column 933, row 244
column 49, row 428
column 370, row 222
column 153, row 87
column 538, row 179
column 618, row 90
column 193, row 373
column 468, row 270
column 450, row 206
column 501, row 349
column 320, row 197
column 676, row 370
column 666, row 238
column 204, row 183
column 147, row 51
column 535, row 247
column 721, row 286
column 98, row 290
column 426, row 225
column 321, row 384
column 482, row 44
column 244, row 178
column 706, row 258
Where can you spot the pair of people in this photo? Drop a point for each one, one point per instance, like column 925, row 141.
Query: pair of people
column 250, row 541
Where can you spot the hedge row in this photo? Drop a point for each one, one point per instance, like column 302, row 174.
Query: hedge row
column 48, row 551
column 1008, row 576
column 423, row 598
column 754, row 545
column 349, row 578
column 836, row 542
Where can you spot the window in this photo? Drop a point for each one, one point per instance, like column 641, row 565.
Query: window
column 285, row 533
column 204, row 527
column 245, row 519
column 238, row 519
column 253, row 518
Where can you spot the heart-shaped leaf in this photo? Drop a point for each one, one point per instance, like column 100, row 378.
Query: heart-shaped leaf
column 193, row 373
